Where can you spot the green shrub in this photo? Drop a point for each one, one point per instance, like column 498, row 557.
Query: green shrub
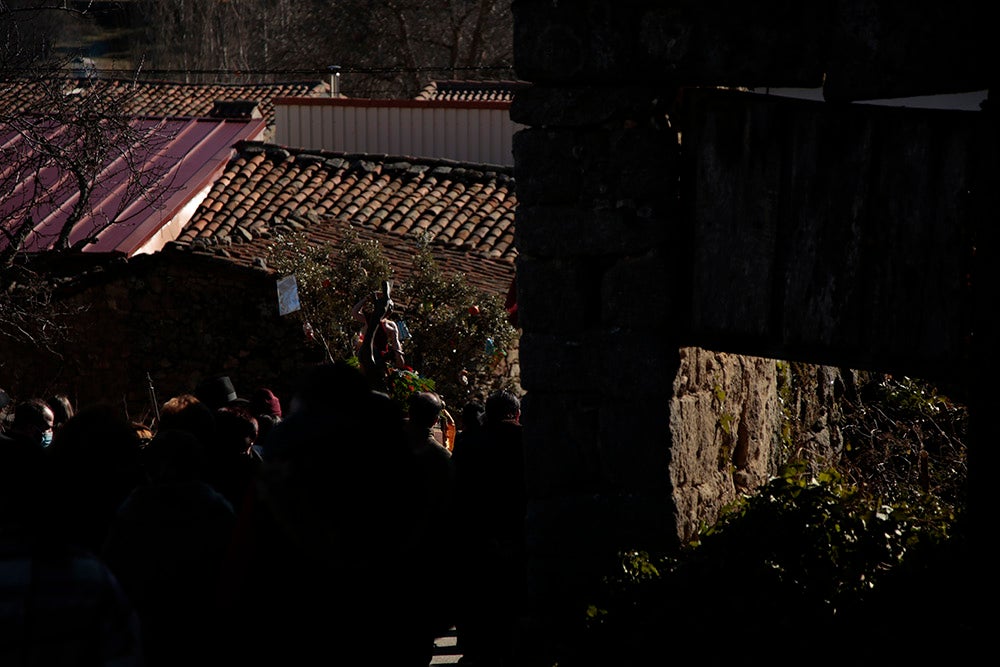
column 867, row 552
column 459, row 334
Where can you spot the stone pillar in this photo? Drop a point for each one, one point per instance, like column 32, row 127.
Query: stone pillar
column 600, row 247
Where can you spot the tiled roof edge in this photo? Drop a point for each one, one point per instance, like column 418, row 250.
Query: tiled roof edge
column 387, row 161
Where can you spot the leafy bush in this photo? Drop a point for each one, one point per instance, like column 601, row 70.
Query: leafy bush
column 459, row 335
column 869, row 551
column 330, row 282
column 403, row 382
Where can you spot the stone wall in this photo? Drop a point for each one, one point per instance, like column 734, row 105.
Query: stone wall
column 178, row 317
column 634, row 431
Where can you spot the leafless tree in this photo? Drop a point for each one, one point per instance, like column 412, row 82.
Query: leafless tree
column 65, row 143
column 384, row 49
column 73, row 142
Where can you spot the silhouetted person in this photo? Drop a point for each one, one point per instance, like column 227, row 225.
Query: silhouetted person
column 218, row 391
column 62, row 409
column 230, row 466
column 265, row 406
column 60, row 605
column 323, row 558
column 33, row 423
column 491, row 506
column 473, row 416
column 186, row 412
column 167, row 545
column 95, row 464
column 433, row 522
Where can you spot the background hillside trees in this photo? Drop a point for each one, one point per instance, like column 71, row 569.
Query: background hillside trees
column 384, row 49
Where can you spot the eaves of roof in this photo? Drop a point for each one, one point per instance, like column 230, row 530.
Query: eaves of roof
column 442, row 103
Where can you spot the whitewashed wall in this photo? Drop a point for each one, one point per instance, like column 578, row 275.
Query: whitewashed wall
column 466, row 132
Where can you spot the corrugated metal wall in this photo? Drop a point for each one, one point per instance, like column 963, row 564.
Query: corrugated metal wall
column 466, row 134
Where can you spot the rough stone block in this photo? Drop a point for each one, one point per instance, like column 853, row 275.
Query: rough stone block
column 716, row 42
column 581, row 106
column 563, row 231
column 562, row 450
column 638, row 292
column 560, row 364
column 635, row 441
column 559, row 166
column 637, row 362
column 902, row 49
column 587, row 40
column 564, row 298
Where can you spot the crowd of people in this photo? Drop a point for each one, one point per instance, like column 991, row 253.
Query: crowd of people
column 260, row 530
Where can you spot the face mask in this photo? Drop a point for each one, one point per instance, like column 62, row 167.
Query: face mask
column 46, row 438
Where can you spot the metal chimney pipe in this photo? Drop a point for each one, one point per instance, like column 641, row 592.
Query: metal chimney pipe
column 334, row 80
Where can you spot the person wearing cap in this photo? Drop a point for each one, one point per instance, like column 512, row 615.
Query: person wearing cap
column 266, row 408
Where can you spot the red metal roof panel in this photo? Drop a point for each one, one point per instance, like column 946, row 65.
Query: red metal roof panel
column 175, row 157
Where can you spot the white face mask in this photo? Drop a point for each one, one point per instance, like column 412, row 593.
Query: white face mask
column 47, row 438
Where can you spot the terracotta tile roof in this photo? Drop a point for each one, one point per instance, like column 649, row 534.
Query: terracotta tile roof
column 471, row 91
column 167, row 98
column 467, row 206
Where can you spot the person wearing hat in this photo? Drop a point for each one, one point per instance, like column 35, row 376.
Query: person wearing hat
column 218, row 391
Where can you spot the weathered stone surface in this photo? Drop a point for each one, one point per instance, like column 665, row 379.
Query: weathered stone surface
column 856, row 50
column 561, row 363
column 824, row 229
column 823, row 235
column 593, row 41
column 585, row 106
column 562, row 450
column 557, row 166
column 177, row 316
column 725, row 420
column 637, row 294
column 570, row 300
column 563, row 231
column 901, row 49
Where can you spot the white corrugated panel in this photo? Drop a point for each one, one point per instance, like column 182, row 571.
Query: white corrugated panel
column 464, row 134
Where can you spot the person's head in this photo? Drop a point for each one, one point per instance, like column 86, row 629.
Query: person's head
column 473, row 414
column 218, row 391
column 99, row 444
column 186, row 412
column 236, row 430
column 33, row 421
column 424, row 409
column 503, row 405
column 264, row 402
column 62, row 408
